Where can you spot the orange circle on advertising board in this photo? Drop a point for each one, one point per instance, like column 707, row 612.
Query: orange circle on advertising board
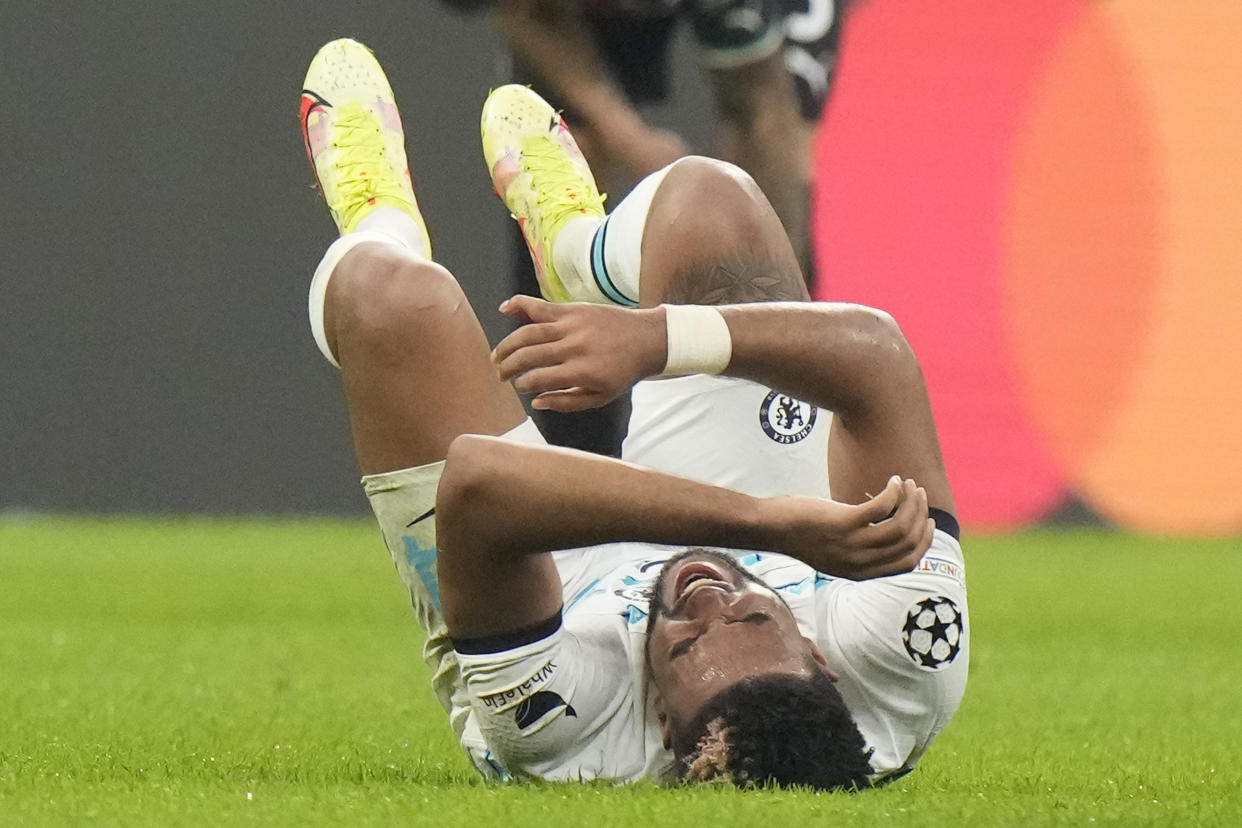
column 1083, row 244
column 1173, row 460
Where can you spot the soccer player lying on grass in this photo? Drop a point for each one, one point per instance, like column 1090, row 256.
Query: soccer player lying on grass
column 573, row 634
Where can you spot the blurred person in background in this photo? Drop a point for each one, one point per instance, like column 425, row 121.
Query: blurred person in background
column 769, row 63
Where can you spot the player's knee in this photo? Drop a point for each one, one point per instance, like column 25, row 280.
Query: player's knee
column 711, row 177
column 381, row 295
column 719, row 195
column 723, row 241
column 466, row 468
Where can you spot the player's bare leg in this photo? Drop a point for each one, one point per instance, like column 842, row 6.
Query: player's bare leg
column 701, row 232
column 413, row 357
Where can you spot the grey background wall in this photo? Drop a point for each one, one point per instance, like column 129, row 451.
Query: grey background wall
column 159, row 231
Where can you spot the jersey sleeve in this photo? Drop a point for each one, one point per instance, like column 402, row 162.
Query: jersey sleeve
column 541, row 705
column 901, row 646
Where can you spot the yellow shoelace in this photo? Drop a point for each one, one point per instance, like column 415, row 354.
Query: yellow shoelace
column 561, row 190
column 362, row 162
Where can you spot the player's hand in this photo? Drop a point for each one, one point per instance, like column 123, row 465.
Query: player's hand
column 886, row 535
column 576, row 355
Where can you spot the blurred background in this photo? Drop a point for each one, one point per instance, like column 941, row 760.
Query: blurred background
column 1046, row 194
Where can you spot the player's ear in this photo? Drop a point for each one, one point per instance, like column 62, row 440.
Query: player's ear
column 819, row 659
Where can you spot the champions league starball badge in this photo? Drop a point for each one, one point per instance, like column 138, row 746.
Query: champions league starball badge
column 784, row 419
column 933, row 632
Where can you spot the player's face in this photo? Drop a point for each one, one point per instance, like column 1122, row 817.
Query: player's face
column 712, row 625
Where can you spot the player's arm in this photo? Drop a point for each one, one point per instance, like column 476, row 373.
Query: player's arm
column 551, row 36
column 855, row 361
column 502, row 507
column 850, row 359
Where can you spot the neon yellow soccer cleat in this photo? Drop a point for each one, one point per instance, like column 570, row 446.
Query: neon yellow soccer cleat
column 354, row 138
column 539, row 173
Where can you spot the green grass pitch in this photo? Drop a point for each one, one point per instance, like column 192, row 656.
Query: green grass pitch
column 213, row 672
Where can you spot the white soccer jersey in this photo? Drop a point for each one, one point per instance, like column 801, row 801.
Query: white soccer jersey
column 576, row 703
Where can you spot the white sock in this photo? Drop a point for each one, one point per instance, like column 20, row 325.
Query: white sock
column 399, row 225
column 571, row 256
column 600, row 261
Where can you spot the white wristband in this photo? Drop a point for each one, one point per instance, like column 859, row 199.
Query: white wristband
column 698, row 340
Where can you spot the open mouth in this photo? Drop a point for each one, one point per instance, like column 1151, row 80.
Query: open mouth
column 696, row 576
